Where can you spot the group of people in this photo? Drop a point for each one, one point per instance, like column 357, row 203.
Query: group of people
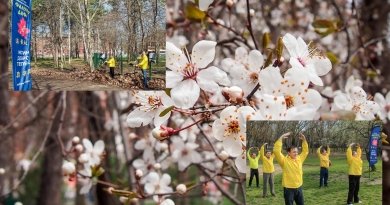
column 292, row 172
column 143, row 64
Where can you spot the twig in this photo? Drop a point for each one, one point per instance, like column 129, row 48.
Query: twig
column 250, row 24
column 63, row 151
column 345, row 29
column 23, row 111
column 36, row 155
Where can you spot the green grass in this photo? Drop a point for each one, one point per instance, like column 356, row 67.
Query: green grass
column 336, row 193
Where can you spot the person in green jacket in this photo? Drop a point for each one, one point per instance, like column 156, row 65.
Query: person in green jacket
column 254, row 166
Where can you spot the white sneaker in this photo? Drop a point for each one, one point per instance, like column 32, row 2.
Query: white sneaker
column 360, row 202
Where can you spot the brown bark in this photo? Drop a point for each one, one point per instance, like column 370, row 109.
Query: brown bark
column 51, row 179
column 4, row 94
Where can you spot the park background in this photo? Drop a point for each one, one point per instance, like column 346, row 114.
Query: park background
column 68, row 37
column 338, row 135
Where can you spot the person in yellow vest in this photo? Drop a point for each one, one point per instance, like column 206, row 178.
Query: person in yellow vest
column 355, row 166
column 144, row 64
column 323, row 155
column 254, row 166
column 111, row 65
column 268, row 170
column 292, row 169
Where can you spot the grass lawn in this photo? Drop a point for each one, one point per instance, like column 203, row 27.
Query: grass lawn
column 336, row 193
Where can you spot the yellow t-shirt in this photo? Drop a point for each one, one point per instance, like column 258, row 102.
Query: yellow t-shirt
column 292, row 169
column 144, row 62
column 355, row 163
column 268, row 163
column 324, row 159
column 111, row 62
column 253, row 162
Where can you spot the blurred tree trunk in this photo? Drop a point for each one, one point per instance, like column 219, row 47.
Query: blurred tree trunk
column 51, row 179
column 374, row 15
column 4, row 94
column 96, row 106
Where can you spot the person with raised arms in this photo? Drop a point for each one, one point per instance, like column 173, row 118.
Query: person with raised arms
column 254, row 166
column 292, row 177
column 268, row 170
column 355, row 164
column 323, row 155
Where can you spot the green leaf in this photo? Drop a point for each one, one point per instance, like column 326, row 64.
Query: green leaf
column 370, row 73
column 279, row 48
column 266, row 40
column 325, row 27
column 97, row 171
column 166, row 111
column 168, row 91
column 332, row 57
column 269, row 60
column 193, row 12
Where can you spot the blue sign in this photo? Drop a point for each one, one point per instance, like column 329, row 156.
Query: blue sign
column 373, row 146
column 21, row 37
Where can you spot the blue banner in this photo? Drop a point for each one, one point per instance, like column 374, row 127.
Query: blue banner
column 21, row 38
column 373, row 146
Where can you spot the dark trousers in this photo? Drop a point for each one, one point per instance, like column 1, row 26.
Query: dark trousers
column 145, row 74
column 353, row 191
column 291, row 195
column 254, row 172
column 324, row 176
column 112, row 72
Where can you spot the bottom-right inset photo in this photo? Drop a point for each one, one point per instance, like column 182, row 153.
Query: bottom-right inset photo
column 314, row 162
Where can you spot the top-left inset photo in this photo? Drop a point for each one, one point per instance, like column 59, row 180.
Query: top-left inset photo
column 86, row 45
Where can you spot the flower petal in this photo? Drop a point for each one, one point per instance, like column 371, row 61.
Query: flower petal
column 150, row 188
column 203, row 53
column 232, row 145
column 228, row 112
column 357, row 95
column 241, row 55
column 87, row 145
column 240, row 162
column 255, row 60
column 291, row 43
column 185, row 94
column 138, row 117
column 302, row 48
column 208, row 78
column 341, row 102
column 315, row 79
column 270, row 79
column 218, row 130
column 301, row 112
column 322, row 65
column 140, row 144
column 161, row 120
column 165, row 179
column 166, row 100
column 173, row 78
column 176, row 60
column 272, row 107
column 204, row 4
column 98, row 147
